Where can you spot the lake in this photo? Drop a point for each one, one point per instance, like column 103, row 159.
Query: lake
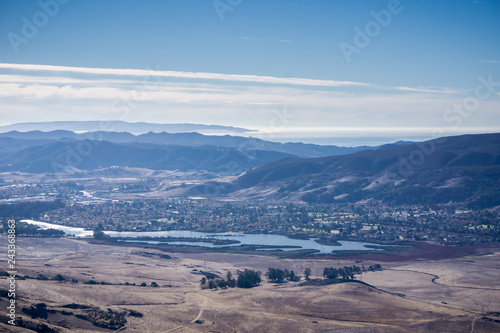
column 275, row 241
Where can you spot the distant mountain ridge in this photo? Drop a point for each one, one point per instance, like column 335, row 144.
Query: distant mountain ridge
column 192, row 140
column 453, row 169
column 118, row 126
column 56, row 151
column 71, row 155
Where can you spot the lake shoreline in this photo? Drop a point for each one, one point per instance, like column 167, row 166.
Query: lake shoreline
column 243, row 241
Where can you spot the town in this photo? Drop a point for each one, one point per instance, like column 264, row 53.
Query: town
column 97, row 208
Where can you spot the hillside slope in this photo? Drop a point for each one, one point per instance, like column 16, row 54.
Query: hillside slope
column 191, row 139
column 62, row 156
column 459, row 169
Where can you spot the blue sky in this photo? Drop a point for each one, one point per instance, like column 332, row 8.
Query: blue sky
column 259, row 58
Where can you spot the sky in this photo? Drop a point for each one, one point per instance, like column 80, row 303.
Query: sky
column 320, row 70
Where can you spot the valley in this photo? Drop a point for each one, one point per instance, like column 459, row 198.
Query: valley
column 459, row 295
column 138, row 235
column 232, row 166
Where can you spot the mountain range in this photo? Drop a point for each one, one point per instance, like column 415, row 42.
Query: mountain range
column 452, row 169
column 71, row 155
column 191, row 139
column 38, row 151
column 463, row 169
column 118, row 126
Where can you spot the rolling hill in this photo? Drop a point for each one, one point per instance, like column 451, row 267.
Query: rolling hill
column 462, row 169
column 191, row 139
column 39, row 152
column 60, row 156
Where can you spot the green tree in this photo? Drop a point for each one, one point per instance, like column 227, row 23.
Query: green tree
column 330, row 273
column 307, row 272
column 231, row 282
column 248, row 278
column 292, row 277
column 276, row 275
column 221, row 283
column 99, row 234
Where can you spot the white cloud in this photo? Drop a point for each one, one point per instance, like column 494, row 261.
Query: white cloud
column 266, row 39
column 40, row 92
column 432, row 90
column 145, row 73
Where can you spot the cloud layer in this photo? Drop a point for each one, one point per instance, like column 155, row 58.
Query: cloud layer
column 45, row 93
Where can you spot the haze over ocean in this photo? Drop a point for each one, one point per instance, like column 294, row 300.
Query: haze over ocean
column 378, row 71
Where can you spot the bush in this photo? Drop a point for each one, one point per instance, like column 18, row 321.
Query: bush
column 36, row 311
column 59, row 278
column 135, row 313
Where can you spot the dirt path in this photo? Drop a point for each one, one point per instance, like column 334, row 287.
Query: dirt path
column 208, row 301
column 436, row 277
column 473, row 324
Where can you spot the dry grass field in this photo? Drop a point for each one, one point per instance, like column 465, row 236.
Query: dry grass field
column 450, row 295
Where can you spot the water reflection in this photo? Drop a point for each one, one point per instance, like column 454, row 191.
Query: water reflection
column 276, row 242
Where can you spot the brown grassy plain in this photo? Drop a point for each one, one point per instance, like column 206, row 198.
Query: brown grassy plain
column 449, row 295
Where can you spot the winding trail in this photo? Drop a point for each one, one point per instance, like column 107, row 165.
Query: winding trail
column 207, row 302
column 435, row 277
column 472, row 327
column 481, row 290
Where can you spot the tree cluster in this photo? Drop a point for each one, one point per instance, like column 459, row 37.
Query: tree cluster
column 245, row 279
column 277, row 275
column 347, row 272
column 31, row 230
column 29, row 209
column 248, row 278
column 36, row 311
column 210, row 281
